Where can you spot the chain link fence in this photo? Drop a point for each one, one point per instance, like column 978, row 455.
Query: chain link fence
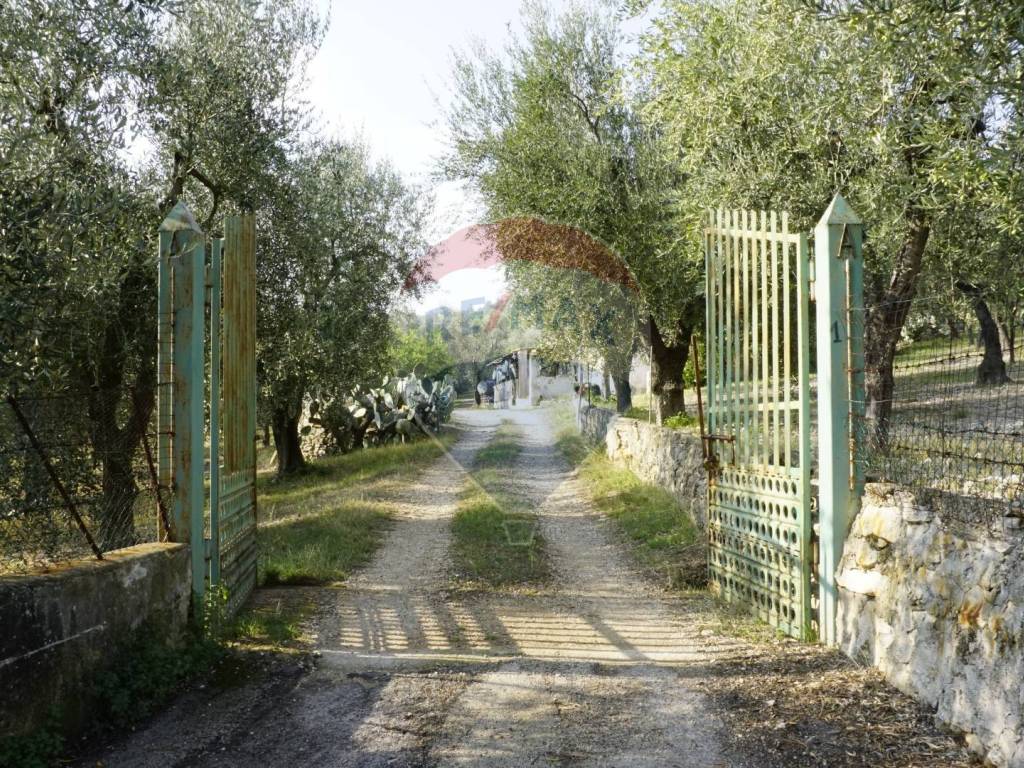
column 950, row 423
column 77, row 478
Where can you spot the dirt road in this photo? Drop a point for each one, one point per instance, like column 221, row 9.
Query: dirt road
column 598, row 668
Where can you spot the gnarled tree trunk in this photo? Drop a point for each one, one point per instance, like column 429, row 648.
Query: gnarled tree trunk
column 285, row 424
column 120, row 403
column 667, row 364
column 991, row 370
column 884, row 323
column 623, row 392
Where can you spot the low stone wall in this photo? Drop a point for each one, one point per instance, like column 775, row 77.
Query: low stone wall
column 941, row 614
column 593, row 422
column 61, row 626
column 670, row 458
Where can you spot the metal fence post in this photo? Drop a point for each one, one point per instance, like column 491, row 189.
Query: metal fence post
column 215, row 357
column 838, row 292
column 187, row 258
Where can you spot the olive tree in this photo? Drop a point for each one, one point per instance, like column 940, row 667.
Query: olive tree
column 342, row 236
column 906, row 109
column 209, row 83
column 550, row 130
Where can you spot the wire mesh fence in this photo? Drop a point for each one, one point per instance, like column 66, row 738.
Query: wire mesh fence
column 949, row 423
column 75, row 478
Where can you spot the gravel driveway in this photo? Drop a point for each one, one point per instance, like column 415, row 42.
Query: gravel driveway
column 597, row 668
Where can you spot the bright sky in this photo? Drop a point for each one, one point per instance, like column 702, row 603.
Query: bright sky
column 381, row 71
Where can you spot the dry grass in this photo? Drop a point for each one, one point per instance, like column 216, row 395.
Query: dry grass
column 798, row 704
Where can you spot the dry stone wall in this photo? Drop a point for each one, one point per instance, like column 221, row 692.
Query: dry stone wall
column 669, row 458
column 941, row 614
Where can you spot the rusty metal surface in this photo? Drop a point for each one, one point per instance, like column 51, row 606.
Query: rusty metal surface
column 228, row 557
column 236, row 544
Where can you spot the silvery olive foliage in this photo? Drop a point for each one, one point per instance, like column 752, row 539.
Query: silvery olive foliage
column 551, row 129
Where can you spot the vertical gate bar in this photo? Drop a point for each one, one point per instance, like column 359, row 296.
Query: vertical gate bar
column 249, row 351
column 215, row 317
column 744, row 336
column 730, row 333
column 737, row 362
column 754, row 387
column 734, row 406
column 249, row 348
column 764, row 339
column 720, row 326
column 834, row 475
column 855, row 282
column 775, row 340
column 710, row 310
column 741, row 433
column 709, row 307
column 164, row 351
column 230, row 334
column 804, row 386
column 753, row 390
column 787, row 368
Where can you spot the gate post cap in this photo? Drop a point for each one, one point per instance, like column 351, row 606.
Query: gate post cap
column 839, row 212
column 180, row 218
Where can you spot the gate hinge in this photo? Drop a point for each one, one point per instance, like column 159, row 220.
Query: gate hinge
column 208, row 549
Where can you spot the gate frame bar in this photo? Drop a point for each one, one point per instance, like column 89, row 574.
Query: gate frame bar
column 839, row 298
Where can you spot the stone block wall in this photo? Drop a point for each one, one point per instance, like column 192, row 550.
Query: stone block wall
column 593, row 422
column 59, row 627
column 670, row 458
column 941, row 614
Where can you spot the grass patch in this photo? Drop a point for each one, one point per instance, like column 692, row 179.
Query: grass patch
column 333, row 474
column 274, row 626
column 321, row 548
column 573, row 445
column 495, row 545
column 318, row 526
column 502, row 449
column 664, row 537
column 681, row 421
column 495, row 538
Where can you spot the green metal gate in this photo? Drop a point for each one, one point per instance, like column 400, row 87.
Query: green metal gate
column 216, row 512
column 759, row 433
column 233, row 382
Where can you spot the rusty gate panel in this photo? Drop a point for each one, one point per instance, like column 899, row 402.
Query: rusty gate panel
column 236, row 505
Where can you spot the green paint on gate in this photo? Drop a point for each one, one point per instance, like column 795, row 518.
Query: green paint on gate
column 758, row 374
column 227, row 556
